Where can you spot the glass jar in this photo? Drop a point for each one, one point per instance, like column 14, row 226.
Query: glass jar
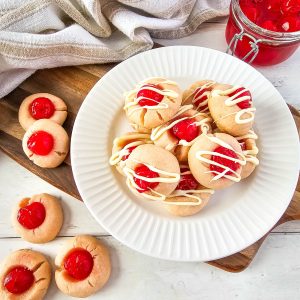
column 255, row 44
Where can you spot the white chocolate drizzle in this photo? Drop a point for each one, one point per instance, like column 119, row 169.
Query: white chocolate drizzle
column 134, row 103
column 160, row 130
column 201, row 94
column 201, row 153
column 250, row 154
column 235, row 99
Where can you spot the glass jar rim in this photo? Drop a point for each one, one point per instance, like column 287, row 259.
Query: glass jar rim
column 273, row 35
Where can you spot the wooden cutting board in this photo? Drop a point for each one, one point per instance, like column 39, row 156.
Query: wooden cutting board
column 72, row 84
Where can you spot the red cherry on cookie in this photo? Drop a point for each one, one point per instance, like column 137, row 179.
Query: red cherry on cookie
column 144, row 171
column 40, row 142
column 147, row 96
column 246, row 103
column 187, row 182
column 41, row 108
column 18, row 280
column 130, row 149
column 224, row 161
column 79, row 263
column 32, row 216
column 186, row 130
column 199, row 95
column 243, row 144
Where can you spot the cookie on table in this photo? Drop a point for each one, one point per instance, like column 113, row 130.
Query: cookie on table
column 216, row 160
column 124, row 145
column 25, row 275
column 197, row 95
column 232, row 109
column 152, row 172
column 181, row 131
column 189, row 196
column 38, row 219
column 83, row 266
column 250, row 151
column 46, row 143
column 42, row 106
column 152, row 103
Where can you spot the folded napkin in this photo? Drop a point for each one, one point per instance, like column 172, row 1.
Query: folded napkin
column 36, row 34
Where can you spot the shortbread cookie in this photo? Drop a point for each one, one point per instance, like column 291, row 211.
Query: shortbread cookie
column 42, row 106
column 250, row 151
column 38, row 219
column 25, row 275
column 216, row 160
column 83, row 266
column 46, row 143
column 152, row 172
column 180, row 132
column 152, row 103
column 197, row 95
column 123, row 146
column 232, row 109
column 189, row 196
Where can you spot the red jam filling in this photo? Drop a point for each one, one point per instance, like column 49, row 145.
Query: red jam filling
column 186, row 130
column 130, row 149
column 32, row 216
column 243, row 144
column 18, row 280
column 201, row 98
column 224, row 161
column 41, row 108
column 143, row 185
column 245, row 103
column 187, row 181
column 40, row 143
column 79, row 263
column 149, row 97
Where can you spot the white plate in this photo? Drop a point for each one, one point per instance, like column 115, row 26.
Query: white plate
column 235, row 217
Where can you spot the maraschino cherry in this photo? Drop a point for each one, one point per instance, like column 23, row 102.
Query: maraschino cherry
column 18, row 280
column 79, row 263
column 187, row 181
column 243, row 144
column 149, row 97
column 41, row 108
column 233, row 166
column 40, row 142
column 243, row 104
column 129, row 150
column 199, row 94
column 32, row 216
column 186, row 130
column 143, row 185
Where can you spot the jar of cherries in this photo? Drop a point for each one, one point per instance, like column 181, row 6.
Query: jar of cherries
column 263, row 32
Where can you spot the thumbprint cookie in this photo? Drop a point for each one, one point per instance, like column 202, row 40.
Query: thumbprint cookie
column 152, row 172
column 189, row 196
column 83, row 266
column 46, row 143
column 38, row 219
column 216, row 160
column 232, row 109
column 124, row 145
column 42, row 106
column 152, row 103
column 25, row 275
column 181, row 131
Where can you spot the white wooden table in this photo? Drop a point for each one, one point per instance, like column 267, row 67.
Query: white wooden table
column 274, row 274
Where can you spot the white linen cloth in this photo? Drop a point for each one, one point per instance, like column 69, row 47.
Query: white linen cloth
column 36, row 34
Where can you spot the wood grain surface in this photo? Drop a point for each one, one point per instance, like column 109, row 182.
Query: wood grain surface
column 72, row 84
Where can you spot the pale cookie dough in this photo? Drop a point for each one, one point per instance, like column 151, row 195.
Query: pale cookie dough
column 227, row 115
column 197, row 95
column 59, row 115
column 249, row 142
column 162, row 135
column 200, row 156
column 51, row 226
column 122, row 146
column 147, row 117
column 60, row 148
column 34, row 261
column 159, row 160
column 98, row 276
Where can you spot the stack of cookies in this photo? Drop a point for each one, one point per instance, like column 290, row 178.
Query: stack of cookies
column 186, row 144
